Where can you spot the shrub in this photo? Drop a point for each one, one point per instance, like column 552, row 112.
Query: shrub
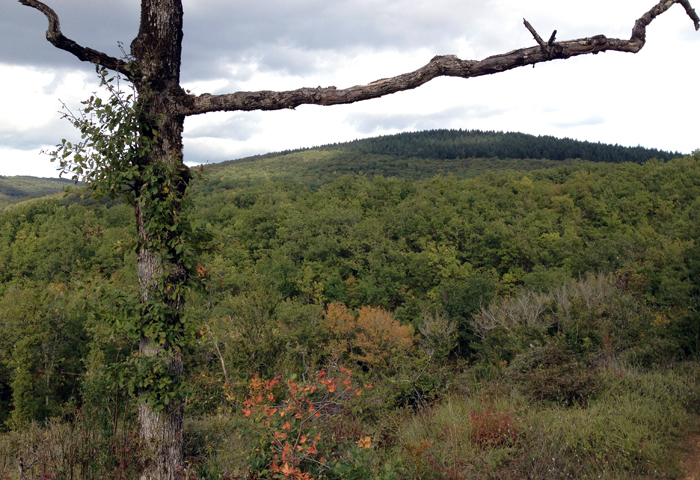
column 284, row 420
column 75, row 450
column 492, row 427
column 552, row 373
column 373, row 337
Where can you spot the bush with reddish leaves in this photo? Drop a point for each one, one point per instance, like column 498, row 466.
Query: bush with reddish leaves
column 284, row 420
column 493, row 428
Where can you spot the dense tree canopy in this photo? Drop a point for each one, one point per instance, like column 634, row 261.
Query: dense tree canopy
column 452, row 144
column 308, row 275
column 406, row 246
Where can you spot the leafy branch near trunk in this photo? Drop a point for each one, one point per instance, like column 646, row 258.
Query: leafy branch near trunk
column 111, row 159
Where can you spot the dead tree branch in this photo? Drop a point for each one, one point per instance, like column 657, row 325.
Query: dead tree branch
column 447, row 66
column 547, row 48
column 56, row 37
column 535, row 35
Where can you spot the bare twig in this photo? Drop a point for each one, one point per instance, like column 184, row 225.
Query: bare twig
column 23, row 468
column 535, row 35
column 221, row 357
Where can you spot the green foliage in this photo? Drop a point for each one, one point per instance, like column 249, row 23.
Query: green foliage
column 551, row 373
column 628, row 431
column 116, row 138
column 316, row 168
column 113, row 160
column 446, row 144
column 41, row 346
column 284, row 419
column 561, row 293
column 455, row 243
column 461, row 300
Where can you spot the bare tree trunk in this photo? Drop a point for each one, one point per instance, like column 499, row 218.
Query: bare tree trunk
column 161, row 431
column 157, row 50
column 160, row 275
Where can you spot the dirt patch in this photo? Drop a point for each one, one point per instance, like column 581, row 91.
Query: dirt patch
column 690, row 463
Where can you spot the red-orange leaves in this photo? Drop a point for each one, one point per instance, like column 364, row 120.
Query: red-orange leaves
column 300, row 405
column 492, row 427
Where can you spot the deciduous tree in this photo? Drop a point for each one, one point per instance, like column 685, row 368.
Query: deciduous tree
column 157, row 178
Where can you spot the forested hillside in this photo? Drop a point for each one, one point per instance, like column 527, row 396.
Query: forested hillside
column 14, row 189
column 483, row 324
column 418, row 156
column 451, row 144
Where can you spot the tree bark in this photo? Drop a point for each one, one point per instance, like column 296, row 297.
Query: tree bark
column 157, row 51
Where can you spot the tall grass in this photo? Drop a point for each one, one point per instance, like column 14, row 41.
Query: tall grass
column 630, row 430
column 72, row 450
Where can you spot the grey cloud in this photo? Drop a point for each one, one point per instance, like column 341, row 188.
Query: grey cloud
column 368, row 123
column 38, row 137
column 288, row 59
column 52, row 87
column 99, row 25
column 283, row 35
column 279, row 31
column 203, row 156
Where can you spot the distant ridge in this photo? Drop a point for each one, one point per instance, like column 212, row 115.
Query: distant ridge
column 410, row 155
column 451, row 144
column 419, row 155
column 14, row 189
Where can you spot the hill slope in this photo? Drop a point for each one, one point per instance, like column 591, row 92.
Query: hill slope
column 411, row 156
column 14, row 189
column 420, row 155
column 451, row 144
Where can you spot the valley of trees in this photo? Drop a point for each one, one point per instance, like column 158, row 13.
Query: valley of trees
column 490, row 318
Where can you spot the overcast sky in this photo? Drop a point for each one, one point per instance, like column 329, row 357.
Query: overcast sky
column 649, row 99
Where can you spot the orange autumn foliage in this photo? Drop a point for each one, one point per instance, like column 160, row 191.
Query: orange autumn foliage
column 341, row 325
column 373, row 336
column 287, row 416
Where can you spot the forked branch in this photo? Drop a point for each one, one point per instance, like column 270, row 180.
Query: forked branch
column 448, row 66
column 56, row 37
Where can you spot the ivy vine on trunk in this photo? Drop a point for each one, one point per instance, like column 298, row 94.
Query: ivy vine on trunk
column 132, row 146
column 119, row 136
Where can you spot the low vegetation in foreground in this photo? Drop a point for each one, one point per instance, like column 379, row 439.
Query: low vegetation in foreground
column 580, row 382
column 540, row 324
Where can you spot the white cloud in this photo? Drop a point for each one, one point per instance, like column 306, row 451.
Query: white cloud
column 648, row 99
column 26, row 162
